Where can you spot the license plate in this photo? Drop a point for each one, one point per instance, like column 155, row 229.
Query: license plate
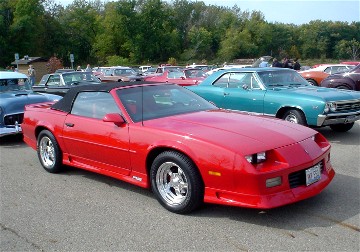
column 313, row 174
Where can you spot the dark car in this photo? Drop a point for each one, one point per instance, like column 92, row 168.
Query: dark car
column 347, row 80
column 60, row 83
column 15, row 93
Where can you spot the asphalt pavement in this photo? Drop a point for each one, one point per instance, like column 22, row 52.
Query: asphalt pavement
column 82, row 211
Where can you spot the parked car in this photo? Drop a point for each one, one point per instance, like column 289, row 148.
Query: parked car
column 144, row 68
column 119, row 74
column 315, row 75
column 281, row 93
column 354, row 63
column 185, row 77
column 60, row 83
column 164, row 137
column 15, row 93
column 347, row 80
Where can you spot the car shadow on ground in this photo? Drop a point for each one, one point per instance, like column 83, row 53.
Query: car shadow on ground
column 12, row 141
column 333, row 206
column 352, row 137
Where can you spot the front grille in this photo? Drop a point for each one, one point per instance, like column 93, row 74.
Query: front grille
column 10, row 120
column 298, row 178
column 347, row 106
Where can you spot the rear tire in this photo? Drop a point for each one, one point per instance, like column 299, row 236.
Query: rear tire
column 176, row 182
column 342, row 127
column 49, row 152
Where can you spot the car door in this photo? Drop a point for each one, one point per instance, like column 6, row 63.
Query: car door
column 239, row 91
column 93, row 142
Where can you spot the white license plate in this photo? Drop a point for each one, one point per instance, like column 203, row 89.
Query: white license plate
column 313, row 174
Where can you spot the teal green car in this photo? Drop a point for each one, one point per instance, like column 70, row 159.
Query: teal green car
column 281, row 93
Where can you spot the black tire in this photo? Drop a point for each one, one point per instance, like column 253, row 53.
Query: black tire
column 49, row 152
column 343, row 87
column 312, row 82
column 342, row 127
column 176, row 182
column 295, row 116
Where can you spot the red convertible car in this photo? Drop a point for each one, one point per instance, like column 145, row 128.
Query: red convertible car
column 182, row 77
column 165, row 137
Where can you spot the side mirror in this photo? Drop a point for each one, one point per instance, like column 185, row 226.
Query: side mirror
column 245, row 86
column 115, row 118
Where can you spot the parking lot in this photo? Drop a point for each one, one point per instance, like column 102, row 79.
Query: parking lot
column 82, row 211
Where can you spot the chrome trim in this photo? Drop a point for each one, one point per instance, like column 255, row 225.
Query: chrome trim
column 328, row 119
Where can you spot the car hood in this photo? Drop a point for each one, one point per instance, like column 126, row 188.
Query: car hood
column 326, row 94
column 241, row 133
column 14, row 102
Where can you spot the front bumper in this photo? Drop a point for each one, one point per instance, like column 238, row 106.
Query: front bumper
column 5, row 131
column 338, row 118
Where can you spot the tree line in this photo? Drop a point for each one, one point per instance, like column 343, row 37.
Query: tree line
column 125, row 32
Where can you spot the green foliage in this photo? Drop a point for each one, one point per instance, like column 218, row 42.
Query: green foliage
column 121, row 32
column 115, row 60
column 172, row 61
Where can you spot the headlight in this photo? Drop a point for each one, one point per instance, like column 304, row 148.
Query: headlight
column 256, row 158
column 330, row 106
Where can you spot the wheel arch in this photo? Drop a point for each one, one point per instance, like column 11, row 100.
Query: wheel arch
column 281, row 112
column 153, row 153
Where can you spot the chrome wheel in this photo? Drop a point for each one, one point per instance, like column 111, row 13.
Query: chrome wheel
column 291, row 118
column 47, row 152
column 295, row 116
column 172, row 183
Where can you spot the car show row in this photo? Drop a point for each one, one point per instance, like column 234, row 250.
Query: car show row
column 190, row 137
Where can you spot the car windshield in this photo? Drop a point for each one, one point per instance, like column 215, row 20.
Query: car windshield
column 282, row 79
column 150, row 102
column 73, row 77
column 14, row 85
column 194, row 73
column 125, row 72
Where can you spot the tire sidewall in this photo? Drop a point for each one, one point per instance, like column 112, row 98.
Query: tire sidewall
column 192, row 176
column 58, row 156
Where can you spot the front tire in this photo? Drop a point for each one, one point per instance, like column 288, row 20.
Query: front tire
column 312, row 82
column 342, row 127
column 176, row 182
column 49, row 152
column 295, row 116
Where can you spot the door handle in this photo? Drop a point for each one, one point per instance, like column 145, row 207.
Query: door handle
column 69, row 124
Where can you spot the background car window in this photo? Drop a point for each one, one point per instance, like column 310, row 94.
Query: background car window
column 222, row 81
column 54, row 80
column 94, row 105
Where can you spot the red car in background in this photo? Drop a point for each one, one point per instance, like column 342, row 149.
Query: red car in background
column 316, row 74
column 188, row 151
column 183, row 77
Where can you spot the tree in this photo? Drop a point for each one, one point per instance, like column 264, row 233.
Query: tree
column 348, row 49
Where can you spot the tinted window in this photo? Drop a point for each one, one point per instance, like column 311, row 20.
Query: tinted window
column 94, row 105
column 152, row 102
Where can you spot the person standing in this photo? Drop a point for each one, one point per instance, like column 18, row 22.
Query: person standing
column 31, row 74
column 297, row 65
column 276, row 63
column 88, row 68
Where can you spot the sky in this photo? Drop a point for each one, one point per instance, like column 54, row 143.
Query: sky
column 291, row 11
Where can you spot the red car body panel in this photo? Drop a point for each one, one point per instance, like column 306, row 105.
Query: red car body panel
column 182, row 81
column 217, row 141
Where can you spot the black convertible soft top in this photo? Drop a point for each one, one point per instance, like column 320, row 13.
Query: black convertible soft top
column 65, row 103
